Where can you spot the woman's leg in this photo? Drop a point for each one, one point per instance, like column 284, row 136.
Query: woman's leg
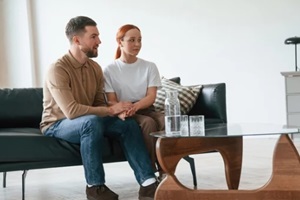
column 151, row 121
column 159, row 119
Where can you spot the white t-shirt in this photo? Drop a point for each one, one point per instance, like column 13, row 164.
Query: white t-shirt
column 130, row 81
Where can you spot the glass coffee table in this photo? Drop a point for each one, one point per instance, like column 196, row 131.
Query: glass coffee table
column 227, row 139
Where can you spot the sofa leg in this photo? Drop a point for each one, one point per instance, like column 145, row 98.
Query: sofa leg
column 4, row 179
column 192, row 165
column 23, row 183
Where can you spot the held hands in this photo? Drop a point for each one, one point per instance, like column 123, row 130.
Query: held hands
column 120, row 109
column 127, row 113
column 130, row 112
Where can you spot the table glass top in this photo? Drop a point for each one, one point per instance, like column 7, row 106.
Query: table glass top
column 240, row 129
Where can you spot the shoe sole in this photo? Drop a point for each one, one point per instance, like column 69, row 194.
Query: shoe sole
column 92, row 198
column 146, row 198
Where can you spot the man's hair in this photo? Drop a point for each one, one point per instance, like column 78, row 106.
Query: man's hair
column 77, row 26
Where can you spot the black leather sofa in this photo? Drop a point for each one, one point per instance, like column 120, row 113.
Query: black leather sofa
column 23, row 147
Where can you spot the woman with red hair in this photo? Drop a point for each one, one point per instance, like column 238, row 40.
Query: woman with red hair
column 130, row 78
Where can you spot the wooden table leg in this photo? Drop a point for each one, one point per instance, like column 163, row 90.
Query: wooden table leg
column 284, row 183
column 171, row 150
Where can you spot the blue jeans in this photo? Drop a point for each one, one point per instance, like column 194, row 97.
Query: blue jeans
column 89, row 132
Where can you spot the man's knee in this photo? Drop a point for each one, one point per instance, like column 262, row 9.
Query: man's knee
column 91, row 120
column 92, row 125
column 132, row 123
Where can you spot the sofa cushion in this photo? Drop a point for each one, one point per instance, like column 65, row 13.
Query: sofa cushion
column 27, row 148
column 187, row 95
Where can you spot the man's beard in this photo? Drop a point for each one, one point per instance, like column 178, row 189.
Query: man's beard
column 91, row 54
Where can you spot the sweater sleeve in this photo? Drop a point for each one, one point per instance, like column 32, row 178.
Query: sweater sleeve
column 58, row 84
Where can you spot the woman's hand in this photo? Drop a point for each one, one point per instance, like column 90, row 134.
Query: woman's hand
column 131, row 111
column 119, row 108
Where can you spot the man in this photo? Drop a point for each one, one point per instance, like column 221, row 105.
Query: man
column 75, row 111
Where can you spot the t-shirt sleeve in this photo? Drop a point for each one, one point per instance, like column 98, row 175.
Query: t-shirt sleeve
column 107, row 80
column 154, row 79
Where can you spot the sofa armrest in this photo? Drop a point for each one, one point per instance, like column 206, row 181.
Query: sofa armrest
column 211, row 103
column 21, row 107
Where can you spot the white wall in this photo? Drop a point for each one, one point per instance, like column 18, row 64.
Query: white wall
column 239, row 42
column 16, row 49
column 3, row 70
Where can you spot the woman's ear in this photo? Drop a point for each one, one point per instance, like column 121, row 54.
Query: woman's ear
column 120, row 43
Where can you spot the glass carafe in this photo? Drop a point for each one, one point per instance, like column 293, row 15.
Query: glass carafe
column 172, row 113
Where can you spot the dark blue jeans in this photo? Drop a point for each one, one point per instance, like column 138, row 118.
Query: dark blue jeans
column 89, row 131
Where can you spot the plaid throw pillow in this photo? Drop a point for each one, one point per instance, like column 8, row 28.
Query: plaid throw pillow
column 187, row 95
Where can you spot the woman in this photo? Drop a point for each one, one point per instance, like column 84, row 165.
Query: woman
column 129, row 78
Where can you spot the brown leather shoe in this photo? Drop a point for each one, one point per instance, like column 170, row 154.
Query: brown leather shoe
column 101, row 192
column 148, row 192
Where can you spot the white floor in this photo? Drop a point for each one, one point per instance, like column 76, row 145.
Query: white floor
column 68, row 182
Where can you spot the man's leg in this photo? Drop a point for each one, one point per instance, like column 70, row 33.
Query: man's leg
column 88, row 132
column 129, row 134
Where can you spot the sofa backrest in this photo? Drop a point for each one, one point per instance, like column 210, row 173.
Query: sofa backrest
column 21, row 107
column 211, row 102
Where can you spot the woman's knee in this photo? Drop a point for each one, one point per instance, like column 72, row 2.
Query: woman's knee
column 148, row 125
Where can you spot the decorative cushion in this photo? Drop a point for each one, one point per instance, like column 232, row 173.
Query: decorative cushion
column 187, row 95
column 175, row 79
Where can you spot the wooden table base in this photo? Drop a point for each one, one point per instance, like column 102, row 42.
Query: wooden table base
column 284, row 183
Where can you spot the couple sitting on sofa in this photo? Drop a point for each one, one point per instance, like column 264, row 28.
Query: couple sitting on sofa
column 75, row 109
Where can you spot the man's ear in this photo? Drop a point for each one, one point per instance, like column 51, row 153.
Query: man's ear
column 75, row 39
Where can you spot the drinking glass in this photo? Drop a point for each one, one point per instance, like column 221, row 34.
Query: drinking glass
column 196, row 124
column 184, row 125
column 172, row 125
